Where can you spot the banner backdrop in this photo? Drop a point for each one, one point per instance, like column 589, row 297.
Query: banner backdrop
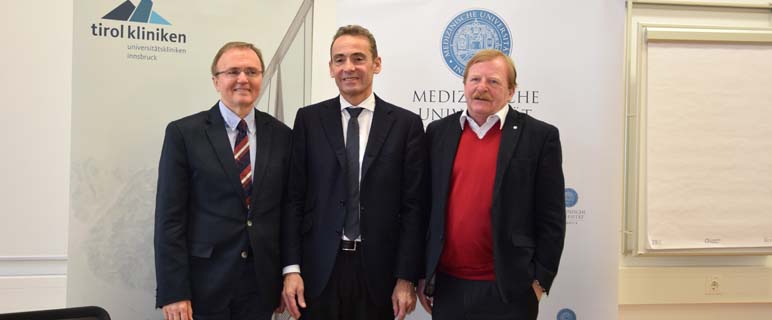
column 569, row 58
column 137, row 65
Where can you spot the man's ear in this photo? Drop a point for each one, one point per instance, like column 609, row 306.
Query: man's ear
column 377, row 63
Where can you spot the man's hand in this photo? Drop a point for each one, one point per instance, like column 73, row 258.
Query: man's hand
column 426, row 301
column 180, row 310
column 537, row 289
column 293, row 294
column 403, row 299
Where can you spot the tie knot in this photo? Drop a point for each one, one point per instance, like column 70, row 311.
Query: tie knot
column 354, row 112
column 242, row 126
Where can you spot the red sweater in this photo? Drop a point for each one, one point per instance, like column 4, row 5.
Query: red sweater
column 468, row 249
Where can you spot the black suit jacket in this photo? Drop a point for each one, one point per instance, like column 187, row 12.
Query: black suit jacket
column 528, row 214
column 392, row 197
column 201, row 220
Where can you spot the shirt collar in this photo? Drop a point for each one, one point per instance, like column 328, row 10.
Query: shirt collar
column 232, row 120
column 500, row 115
column 367, row 104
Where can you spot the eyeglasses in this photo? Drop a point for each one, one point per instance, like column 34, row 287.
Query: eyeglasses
column 234, row 73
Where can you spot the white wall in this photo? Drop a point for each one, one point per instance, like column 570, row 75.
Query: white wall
column 35, row 130
column 675, row 287
column 322, row 86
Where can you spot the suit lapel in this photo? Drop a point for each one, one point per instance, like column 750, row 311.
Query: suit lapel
column 379, row 129
column 450, row 136
column 333, row 129
column 510, row 135
column 263, row 134
column 218, row 138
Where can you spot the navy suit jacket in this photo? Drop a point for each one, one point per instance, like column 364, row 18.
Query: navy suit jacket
column 202, row 223
column 528, row 215
column 392, row 197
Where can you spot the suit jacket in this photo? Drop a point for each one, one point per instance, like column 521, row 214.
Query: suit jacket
column 528, row 212
column 202, row 223
column 392, row 197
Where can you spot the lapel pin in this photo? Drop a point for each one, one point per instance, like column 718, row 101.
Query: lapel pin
column 515, row 127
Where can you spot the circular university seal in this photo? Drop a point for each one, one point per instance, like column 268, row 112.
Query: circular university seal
column 471, row 31
column 572, row 197
column 566, row 314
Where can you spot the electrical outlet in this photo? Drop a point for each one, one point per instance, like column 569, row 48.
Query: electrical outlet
column 713, row 285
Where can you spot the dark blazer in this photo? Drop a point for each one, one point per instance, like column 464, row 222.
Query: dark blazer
column 528, row 215
column 392, row 197
column 201, row 221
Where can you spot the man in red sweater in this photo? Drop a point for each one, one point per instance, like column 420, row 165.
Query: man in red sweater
column 497, row 209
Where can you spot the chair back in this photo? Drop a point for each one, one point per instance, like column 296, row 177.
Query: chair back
column 77, row 313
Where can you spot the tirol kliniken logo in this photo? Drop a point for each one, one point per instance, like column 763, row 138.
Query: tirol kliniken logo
column 142, row 13
column 471, row 31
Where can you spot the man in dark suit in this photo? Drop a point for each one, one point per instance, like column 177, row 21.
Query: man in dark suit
column 497, row 220
column 352, row 238
column 221, row 181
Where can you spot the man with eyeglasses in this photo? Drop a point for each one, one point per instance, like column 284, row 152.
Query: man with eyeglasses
column 221, row 182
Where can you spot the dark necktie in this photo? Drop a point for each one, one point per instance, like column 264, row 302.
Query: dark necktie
column 241, row 155
column 351, row 225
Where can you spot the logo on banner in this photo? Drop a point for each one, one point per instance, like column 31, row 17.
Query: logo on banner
column 566, row 314
column 144, row 13
column 471, row 31
column 463, row 36
column 574, row 214
column 149, row 40
column 571, row 197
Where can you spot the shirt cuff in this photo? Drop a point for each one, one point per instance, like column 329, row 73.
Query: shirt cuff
column 293, row 268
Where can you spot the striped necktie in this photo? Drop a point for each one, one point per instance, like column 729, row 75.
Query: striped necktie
column 241, row 155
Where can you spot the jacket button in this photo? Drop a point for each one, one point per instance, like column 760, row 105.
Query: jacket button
column 249, row 223
column 244, row 254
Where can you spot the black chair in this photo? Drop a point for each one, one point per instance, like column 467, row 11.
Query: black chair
column 78, row 313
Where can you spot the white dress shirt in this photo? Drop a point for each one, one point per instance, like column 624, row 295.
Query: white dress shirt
column 231, row 122
column 365, row 122
column 480, row 131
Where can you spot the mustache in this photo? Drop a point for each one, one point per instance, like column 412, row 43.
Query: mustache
column 482, row 96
